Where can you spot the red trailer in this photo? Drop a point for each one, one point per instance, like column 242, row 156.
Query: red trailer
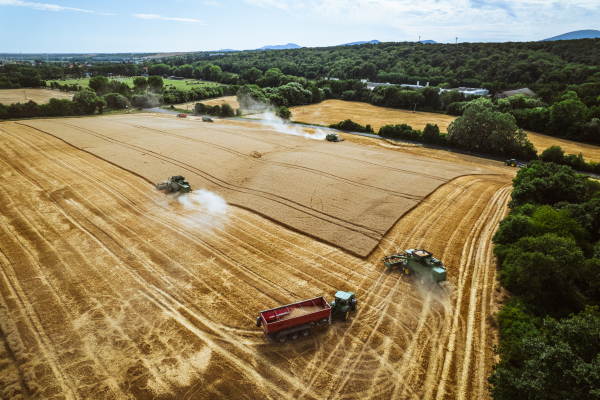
column 294, row 319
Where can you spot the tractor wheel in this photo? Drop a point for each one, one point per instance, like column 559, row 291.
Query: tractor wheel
column 407, row 271
column 305, row 332
column 423, row 282
column 282, row 338
column 353, row 307
column 346, row 316
column 294, row 336
column 170, row 189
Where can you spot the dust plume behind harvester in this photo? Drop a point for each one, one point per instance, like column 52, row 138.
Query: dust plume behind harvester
column 420, row 263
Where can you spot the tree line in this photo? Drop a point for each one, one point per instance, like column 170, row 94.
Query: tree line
column 548, row 249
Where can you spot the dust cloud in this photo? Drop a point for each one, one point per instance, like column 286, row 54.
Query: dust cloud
column 269, row 120
column 203, row 200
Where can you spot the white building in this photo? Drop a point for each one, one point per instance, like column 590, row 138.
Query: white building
column 466, row 91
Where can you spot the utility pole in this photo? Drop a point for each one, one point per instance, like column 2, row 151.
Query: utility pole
column 419, row 38
column 456, row 40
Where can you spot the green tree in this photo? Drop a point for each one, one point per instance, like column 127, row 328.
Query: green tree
column 431, row 133
column 99, row 84
column 284, row 113
column 156, row 84
column 543, row 271
column 86, row 100
column 252, row 75
column 140, row 84
column 561, row 362
column 484, row 130
column 227, row 110
column 553, row 154
column 567, row 112
column 100, row 104
column 548, row 183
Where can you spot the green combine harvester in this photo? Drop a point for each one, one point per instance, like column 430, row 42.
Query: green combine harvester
column 419, row 263
column 175, row 184
column 333, row 137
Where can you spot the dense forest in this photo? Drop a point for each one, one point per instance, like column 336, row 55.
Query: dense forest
column 548, row 248
column 564, row 74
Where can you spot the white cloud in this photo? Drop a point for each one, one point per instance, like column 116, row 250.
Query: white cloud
column 445, row 19
column 46, row 7
column 154, row 16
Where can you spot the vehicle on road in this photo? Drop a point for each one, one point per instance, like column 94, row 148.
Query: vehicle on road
column 297, row 319
column 181, row 115
column 207, row 119
column 513, row 163
column 420, row 263
column 175, row 184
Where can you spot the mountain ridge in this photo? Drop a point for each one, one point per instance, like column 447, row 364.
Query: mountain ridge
column 582, row 34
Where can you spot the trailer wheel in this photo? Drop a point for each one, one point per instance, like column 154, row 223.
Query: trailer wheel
column 294, row 336
column 282, row 338
column 305, row 332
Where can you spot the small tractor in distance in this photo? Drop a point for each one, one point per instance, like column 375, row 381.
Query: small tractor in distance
column 420, row 263
column 175, row 184
column 513, row 163
column 333, row 137
column 342, row 305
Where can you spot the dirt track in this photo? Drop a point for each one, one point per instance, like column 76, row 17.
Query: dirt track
column 108, row 289
column 343, row 194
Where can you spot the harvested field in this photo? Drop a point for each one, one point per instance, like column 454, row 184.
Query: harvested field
column 333, row 111
column 345, row 195
column 542, row 142
column 109, row 289
column 40, row 96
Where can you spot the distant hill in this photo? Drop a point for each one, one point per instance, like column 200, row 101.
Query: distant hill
column 353, row 43
column 585, row 34
column 428, row 41
column 281, row 47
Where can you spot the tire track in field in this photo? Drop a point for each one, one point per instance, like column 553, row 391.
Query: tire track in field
column 183, row 284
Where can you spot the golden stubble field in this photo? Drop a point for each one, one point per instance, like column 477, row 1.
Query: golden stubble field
column 40, row 96
column 111, row 289
column 333, row 111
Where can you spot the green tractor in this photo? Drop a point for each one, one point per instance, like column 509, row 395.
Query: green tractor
column 333, row 137
column 175, row 184
column 513, row 163
column 342, row 305
column 420, row 263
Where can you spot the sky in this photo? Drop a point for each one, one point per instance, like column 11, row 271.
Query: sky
column 112, row 26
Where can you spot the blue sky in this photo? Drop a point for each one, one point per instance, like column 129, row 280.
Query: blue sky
column 85, row 26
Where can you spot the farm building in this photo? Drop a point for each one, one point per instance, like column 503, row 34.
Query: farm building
column 509, row 93
column 466, row 91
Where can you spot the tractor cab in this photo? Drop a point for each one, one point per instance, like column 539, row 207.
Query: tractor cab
column 342, row 305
